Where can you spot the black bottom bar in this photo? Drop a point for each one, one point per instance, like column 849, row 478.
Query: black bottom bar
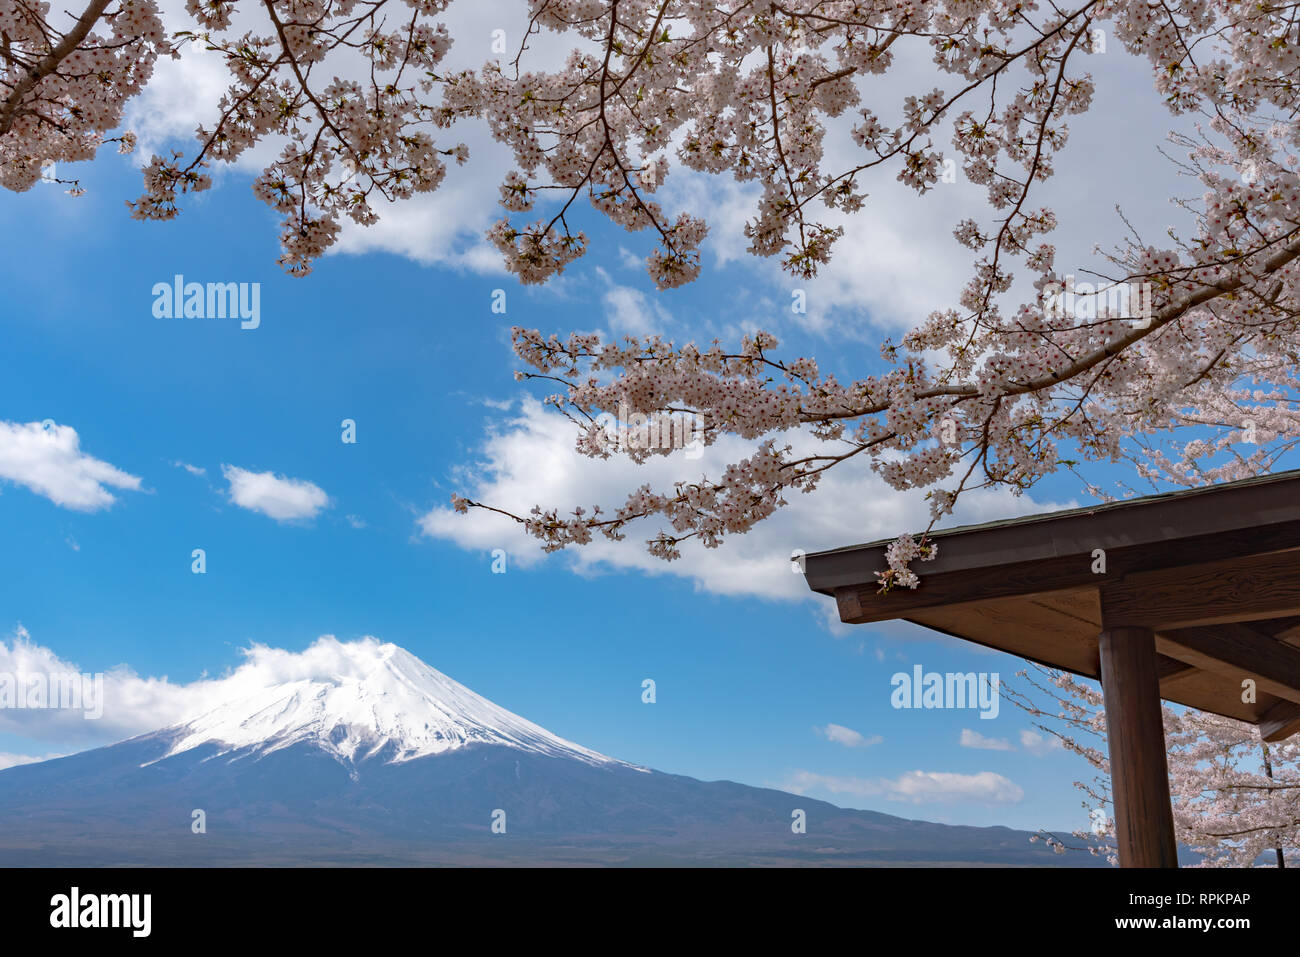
column 274, row 906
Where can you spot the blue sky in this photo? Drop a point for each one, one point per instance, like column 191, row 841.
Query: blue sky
column 747, row 664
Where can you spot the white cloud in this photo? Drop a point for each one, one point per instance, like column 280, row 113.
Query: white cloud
column 181, row 95
column 446, row 227
column 133, row 705
column 915, row 787
column 135, row 701
column 973, row 739
column 47, row 458
column 192, row 469
column 872, row 283
column 529, row 459
column 630, row 260
column 1037, row 744
column 283, row 499
column 629, row 312
column 847, row 736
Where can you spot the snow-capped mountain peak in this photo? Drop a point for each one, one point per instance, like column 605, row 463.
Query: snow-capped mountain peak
column 371, row 697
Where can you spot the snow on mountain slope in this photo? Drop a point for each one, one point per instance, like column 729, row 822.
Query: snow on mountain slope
column 380, row 696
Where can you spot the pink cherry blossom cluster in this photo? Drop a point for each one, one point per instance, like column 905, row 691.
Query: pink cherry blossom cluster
column 354, row 97
column 64, row 81
column 342, row 142
column 1024, row 391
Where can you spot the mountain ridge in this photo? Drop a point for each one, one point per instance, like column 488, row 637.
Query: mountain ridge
column 387, row 761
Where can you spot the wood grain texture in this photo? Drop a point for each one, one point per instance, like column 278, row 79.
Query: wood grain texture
column 1280, row 721
column 852, row 573
column 1243, row 589
column 1170, row 669
column 1238, row 652
column 1034, row 630
column 1144, row 821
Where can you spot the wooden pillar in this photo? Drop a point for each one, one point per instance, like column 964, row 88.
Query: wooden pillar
column 1139, row 772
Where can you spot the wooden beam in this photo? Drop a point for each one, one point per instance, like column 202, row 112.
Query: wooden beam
column 1280, row 721
column 1261, row 586
column 861, row 603
column 1139, row 775
column 1289, row 635
column 1048, row 554
column 1030, row 629
column 1239, row 652
column 1128, row 574
column 1167, row 669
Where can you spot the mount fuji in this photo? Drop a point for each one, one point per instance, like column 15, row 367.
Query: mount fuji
column 392, row 704
column 388, row 761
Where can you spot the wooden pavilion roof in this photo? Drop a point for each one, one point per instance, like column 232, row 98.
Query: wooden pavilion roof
column 1213, row 571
